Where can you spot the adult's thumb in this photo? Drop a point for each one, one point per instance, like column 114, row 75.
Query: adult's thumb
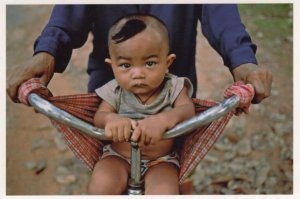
column 46, row 77
column 44, row 80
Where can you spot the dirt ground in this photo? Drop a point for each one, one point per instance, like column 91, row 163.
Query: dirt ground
column 30, row 138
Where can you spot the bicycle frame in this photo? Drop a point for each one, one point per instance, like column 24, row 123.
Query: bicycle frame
column 135, row 183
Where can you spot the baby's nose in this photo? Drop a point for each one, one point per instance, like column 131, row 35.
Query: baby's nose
column 137, row 73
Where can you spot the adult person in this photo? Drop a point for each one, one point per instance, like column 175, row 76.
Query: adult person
column 69, row 26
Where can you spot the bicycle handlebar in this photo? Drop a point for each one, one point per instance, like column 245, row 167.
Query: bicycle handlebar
column 205, row 117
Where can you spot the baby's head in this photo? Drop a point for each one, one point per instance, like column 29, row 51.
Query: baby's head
column 139, row 52
column 130, row 25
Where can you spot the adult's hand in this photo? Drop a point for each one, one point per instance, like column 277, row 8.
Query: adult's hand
column 260, row 78
column 40, row 65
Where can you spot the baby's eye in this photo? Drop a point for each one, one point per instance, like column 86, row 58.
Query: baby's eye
column 150, row 64
column 124, row 66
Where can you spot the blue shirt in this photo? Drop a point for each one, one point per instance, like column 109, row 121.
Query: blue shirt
column 69, row 26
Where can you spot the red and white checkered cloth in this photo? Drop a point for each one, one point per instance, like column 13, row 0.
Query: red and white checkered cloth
column 193, row 149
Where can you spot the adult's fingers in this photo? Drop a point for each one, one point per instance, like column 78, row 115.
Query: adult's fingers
column 48, row 71
column 41, row 65
column 259, row 77
column 262, row 83
column 13, row 83
column 11, row 90
column 46, row 77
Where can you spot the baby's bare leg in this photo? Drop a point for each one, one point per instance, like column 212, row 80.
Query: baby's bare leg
column 162, row 179
column 109, row 176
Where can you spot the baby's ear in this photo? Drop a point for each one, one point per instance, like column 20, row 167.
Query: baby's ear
column 108, row 61
column 170, row 59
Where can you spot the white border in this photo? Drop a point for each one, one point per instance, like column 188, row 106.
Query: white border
column 2, row 102
column 296, row 93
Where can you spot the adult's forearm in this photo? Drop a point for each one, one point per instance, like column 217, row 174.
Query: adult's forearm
column 68, row 28
column 222, row 26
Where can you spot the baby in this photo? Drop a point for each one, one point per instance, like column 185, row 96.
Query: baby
column 140, row 104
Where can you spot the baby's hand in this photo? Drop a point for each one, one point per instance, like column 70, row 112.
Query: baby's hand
column 118, row 128
column 148, row 131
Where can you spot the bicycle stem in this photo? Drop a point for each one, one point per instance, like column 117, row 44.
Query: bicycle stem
column 135, row 183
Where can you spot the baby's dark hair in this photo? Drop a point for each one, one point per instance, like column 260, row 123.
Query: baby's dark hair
column 128, row 26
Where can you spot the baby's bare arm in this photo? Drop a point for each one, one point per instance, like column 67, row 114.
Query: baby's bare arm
column 116, row 127
column 183, row 110
column 105, row 110
column 151, row 129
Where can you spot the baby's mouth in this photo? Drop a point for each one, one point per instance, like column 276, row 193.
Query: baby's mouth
column 139, row 85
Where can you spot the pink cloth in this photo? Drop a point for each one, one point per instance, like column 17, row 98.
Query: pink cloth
column 88, row 150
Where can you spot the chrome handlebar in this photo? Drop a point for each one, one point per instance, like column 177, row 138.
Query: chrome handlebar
column 205, row 117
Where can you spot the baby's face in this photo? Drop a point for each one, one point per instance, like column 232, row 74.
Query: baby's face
column 141, row 62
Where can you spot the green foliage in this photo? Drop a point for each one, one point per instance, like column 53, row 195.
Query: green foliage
column 271, row 27
column 273, row 22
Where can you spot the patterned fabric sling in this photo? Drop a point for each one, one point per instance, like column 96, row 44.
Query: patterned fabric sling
column 193, row 149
